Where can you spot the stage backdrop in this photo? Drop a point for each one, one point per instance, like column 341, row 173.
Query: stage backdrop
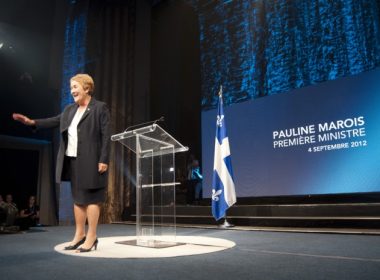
column 300, row 95
column 321, row 139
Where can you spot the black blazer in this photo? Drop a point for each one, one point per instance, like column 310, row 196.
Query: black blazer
column 93, row 142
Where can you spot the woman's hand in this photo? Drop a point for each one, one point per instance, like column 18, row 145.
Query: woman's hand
column 102, row 167
column 23, row 119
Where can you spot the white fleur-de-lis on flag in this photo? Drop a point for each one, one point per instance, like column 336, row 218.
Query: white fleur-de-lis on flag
column 219, row 120
column 215, row 195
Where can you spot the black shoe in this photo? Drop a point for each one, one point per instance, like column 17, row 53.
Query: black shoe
column 94, row 245
column 75, row 246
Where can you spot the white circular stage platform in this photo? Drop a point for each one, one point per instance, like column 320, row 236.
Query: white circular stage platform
column 190, row 245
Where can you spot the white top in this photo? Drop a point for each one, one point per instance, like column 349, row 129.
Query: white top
column 72, row 145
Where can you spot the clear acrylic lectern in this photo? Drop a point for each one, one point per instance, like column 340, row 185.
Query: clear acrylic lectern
column 155, row 151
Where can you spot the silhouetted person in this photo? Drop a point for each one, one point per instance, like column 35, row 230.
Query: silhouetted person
column 11, row 210
column 30, row 215
column 3, row 213
column 195, row 178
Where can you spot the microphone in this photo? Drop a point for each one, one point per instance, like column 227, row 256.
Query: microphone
column 161, row 119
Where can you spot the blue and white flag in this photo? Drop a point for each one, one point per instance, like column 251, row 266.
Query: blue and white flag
column 223, row 187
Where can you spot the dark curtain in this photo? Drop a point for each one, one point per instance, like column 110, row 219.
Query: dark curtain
column 110, row 60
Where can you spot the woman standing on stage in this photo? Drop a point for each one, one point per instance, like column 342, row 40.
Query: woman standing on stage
column 82, row 157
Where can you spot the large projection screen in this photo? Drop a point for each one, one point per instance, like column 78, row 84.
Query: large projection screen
column 321, row 139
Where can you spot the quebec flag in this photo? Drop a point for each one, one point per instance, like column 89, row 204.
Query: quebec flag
column 223, row 187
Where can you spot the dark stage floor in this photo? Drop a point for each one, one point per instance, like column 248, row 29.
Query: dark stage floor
column 257, row 255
